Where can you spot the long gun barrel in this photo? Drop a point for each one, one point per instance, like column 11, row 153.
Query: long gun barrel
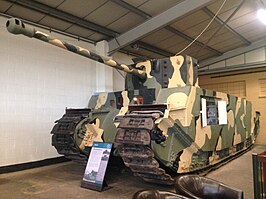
column 16, row 26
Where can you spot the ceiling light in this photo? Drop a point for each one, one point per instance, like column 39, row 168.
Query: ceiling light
column 261, row 14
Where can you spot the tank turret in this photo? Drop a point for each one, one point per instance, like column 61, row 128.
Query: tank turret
column 176, row 71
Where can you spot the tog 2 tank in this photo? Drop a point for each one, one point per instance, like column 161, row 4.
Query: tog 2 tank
column 161, row 119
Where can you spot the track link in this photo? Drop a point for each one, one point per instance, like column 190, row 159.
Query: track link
column 134, row 136
column 63, row 138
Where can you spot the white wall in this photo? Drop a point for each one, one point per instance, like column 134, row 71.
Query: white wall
column 119, row 81
column 104, row 74
column 37, row 82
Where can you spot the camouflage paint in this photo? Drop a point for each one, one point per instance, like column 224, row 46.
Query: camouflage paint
column 212, row 138
column 170, row 86
column 93, row 134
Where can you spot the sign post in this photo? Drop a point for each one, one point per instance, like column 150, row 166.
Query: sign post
column 96, row 167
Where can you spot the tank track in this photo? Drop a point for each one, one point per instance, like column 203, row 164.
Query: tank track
column 63, row 138
column 134, row 136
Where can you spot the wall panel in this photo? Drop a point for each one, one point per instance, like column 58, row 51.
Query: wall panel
column 37, row 82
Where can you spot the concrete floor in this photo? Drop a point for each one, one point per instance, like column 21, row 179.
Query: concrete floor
column 63, row 181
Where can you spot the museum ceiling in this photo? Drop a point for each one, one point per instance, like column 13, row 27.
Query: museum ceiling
column 149, row 28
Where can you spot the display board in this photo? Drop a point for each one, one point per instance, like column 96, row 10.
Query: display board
column 96, row 166
column 203, row 112
column 222, row 112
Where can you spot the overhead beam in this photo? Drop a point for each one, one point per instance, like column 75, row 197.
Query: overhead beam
column 65, row 16
column 155, row 23
column 222, row 23
column 169, row 28
column 154, row 49
column 78, row 21
column 181, row 34
column 131, row 8
column 218, row 71
column 233, row 53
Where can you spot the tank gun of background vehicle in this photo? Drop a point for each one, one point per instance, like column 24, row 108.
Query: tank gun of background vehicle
column 16, row 26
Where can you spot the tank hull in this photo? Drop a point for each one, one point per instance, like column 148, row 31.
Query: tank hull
column 185, row 129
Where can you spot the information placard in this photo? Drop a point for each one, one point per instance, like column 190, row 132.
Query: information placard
column 96, row 166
